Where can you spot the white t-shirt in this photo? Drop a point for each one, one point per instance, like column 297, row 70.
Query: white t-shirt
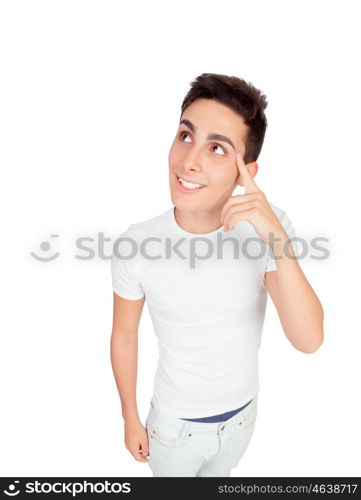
column 207, row 313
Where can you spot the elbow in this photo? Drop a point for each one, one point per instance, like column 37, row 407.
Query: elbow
column 311, row 348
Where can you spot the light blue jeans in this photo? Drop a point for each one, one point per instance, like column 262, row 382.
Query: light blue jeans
column 182, row 448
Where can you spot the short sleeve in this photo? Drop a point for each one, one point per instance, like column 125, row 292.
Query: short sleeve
column 290, row 230
column 124, row 269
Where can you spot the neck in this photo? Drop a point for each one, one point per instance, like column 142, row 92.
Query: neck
column 198, row 222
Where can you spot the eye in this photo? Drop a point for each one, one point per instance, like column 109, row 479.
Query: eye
column 218, row 146
column 182, row 134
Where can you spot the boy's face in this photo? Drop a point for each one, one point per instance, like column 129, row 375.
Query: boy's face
column 207, row 161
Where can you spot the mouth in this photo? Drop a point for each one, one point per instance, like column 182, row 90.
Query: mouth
column 188, row 187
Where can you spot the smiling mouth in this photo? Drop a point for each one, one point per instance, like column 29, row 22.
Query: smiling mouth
column 189, row 186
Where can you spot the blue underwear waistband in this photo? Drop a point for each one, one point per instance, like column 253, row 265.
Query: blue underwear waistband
column 220, row 417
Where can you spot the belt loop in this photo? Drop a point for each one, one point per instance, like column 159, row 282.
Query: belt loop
column 183, row 431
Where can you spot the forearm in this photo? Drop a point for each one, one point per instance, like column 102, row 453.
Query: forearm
column 301, row 312
column 124, row 358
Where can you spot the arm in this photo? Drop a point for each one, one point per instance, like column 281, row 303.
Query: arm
column 298, row 307
column 124, row 358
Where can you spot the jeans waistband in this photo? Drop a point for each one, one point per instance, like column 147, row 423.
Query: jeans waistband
column 178, row 423
column 221, row 417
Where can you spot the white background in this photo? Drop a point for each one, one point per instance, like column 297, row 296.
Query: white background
column 90, row 102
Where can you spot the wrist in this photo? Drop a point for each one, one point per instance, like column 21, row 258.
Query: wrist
column 282, row 246
column 130, row 416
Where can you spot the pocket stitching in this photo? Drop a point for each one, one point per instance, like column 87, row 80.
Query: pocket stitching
column 167, row 440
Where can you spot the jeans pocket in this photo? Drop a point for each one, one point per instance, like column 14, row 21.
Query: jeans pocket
column 163, row 432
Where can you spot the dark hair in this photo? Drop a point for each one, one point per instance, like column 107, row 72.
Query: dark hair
column 239, row 95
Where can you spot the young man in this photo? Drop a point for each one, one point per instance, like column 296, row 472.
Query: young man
column 207, row 307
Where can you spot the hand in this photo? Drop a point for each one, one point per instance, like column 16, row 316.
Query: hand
column 252, row 206
column 136, row 440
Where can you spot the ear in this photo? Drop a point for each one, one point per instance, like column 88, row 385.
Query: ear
column 252, row 168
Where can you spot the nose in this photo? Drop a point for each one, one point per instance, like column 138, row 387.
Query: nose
column 193, row 161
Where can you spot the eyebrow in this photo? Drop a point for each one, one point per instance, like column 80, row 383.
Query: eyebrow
column 217, row 137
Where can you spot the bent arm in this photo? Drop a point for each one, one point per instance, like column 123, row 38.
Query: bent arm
column 299, row 309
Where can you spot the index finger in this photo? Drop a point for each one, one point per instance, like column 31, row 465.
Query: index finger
column 247, row 179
